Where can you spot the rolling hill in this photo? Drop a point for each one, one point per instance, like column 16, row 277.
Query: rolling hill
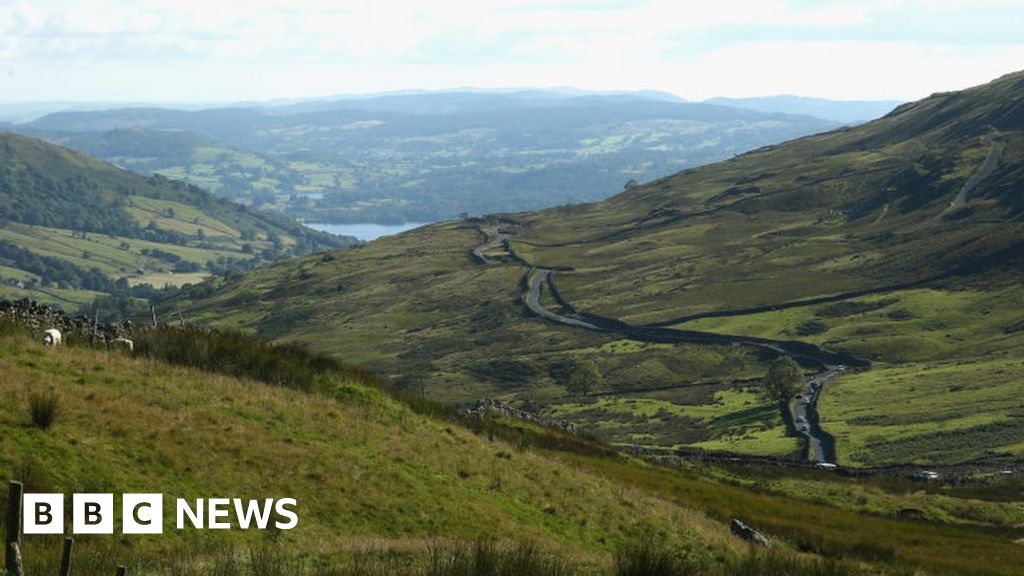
column 73, row 228
column 422, row 157
column 897, row 242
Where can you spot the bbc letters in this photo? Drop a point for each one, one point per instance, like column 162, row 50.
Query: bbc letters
column 144, row 514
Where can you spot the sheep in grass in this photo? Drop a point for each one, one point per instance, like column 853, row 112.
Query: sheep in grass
column 123, row 343
column 51, row 337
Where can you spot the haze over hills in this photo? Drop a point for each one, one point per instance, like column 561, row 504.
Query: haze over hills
column 843, row 111
column 73, row 228
column 423, row 156
column 897, row 243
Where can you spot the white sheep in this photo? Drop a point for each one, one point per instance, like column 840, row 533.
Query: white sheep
column 51, row 337
column 123, row 342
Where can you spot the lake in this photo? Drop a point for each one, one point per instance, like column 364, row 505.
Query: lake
column 366, row 231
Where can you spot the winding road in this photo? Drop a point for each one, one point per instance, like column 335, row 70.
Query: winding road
column 805, row 417
column 537, row 280
column 829, row 364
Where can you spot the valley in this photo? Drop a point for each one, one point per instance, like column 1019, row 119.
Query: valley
column 531, row 288
column 839, row 242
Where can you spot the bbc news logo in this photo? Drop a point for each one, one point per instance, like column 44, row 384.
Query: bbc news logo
column 144, row 513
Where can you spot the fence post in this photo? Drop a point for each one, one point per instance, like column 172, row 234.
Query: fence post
column 12, row 546
column 65, row 558
column 122, row 571
column 14, row 560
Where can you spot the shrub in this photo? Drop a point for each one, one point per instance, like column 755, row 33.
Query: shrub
column 242, row 356
column 43, row 407
column 811, row 327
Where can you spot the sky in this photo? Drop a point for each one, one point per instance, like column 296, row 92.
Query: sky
column 208, row 51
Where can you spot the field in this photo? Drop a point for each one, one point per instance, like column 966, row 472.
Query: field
column 945, row 388
column 942, row 412
column 708, row 416
column 116, row 256
column 964, row 319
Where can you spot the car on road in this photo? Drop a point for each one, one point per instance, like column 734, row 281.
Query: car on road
column 927, row 475
column 825, row 465
column 804, row 428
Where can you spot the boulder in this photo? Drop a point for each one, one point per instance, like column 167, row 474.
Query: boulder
column 747, row 533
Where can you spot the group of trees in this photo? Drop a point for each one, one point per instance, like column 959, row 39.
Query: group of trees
column 782, row 382
column 578, row 377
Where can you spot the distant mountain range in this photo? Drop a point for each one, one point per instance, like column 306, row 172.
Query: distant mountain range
column 842, row 111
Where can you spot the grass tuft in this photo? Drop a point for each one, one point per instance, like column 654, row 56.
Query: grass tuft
column 486, row 558
column 43, row 408
column 649, row 558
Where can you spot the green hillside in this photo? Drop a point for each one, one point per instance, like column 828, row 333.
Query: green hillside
column 898, row 242
column 387, row 485
column 73, row 227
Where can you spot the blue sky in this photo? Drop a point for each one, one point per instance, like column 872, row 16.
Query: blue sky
column 229, row 50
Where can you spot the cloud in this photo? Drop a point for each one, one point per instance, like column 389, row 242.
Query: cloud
column 847, row 69
column 57, row 28
column 256, row 49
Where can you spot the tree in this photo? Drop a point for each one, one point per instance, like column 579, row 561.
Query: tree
column 782, row 381
column 583, row 378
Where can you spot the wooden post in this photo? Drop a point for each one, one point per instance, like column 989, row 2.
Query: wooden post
column 152, row 310
column 65, row 558
column 12, row 548
column 14, row 567
column 122, row 571
column 96, row 325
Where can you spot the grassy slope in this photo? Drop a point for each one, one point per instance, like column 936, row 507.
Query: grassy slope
column 381, row 473
column 851, row 209
column 387, row 478
column 822, row 525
